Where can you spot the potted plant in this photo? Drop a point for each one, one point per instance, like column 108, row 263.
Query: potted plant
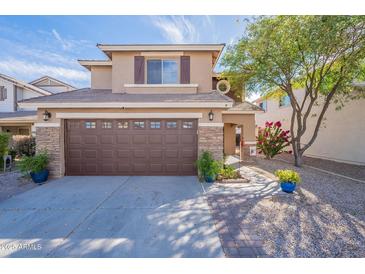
column 288, row 179
column 35, row 166
column 208, row 168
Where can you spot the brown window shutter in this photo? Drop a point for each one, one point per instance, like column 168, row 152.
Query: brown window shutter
column 185, row 70
column 138, row 69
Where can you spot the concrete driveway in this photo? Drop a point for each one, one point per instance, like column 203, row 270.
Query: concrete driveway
column 110, row 217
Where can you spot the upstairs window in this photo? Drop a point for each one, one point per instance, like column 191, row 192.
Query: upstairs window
column 284, row 101
column 162, row 71
column 263, row 105
column 3, row 93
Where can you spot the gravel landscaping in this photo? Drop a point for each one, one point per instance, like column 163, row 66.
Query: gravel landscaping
column 324, row 218
column 12, row 183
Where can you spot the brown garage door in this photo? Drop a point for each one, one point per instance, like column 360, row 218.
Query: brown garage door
column 131, row 147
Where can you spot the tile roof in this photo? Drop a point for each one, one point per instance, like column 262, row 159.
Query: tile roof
column 245, row 106
column 17, row 114
column 106, row 95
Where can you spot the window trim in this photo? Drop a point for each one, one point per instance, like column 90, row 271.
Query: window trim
column 192, row 124
column 176, row 127
column 102, row 124
column 122, row 121
column 162, row 58
column 140, row 121
column 150, row 124
column 85, row 127
column 284, row 105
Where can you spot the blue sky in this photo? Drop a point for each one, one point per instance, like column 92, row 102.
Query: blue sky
column 33, row 46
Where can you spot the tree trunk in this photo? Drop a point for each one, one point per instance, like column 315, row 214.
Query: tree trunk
column 298, row 159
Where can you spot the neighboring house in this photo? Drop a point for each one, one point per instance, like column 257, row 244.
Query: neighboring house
column 52, row 85
column 151, row 110
column 341, row 135
column 16, row 120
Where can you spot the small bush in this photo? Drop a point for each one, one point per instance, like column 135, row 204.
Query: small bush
column 23, row 145
column 34, row 164
column 229, row 172
column 207, row 166
column 288, row 175
column 4, row 146
column 272, row 139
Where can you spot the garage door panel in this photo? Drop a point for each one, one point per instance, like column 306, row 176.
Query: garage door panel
column 75, row 140
column 139, row 167
column 188, row 153
column 107, row 154
column 124, row 168
column 156, row 153
column 75, row 153
column 90, row 140
column 156, row 167
column 172, row 139
column 107, row 139
column 172, row 153
column 172, row 168
column 90, row 154
column 107, row 168
column 123, row 154
column 94, row 147
column 155, row 139
column 140, row 153
column 187, row 139
column 123, row 139
column 139, row 140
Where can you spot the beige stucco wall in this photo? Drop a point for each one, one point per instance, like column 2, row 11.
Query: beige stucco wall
column 122, row 72
column 340, row 137
column 201, row 70
column 101, row 77
column 229, row 139
column 246, row 120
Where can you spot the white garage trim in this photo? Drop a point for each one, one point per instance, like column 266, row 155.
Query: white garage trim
column 47, row 124
column 122, row 105
column 211, row 125
column 112, row 115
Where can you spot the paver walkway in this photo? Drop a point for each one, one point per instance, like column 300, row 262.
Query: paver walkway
column 230, row 203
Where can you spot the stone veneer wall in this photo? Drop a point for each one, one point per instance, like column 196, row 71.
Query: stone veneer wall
column 211, row 138
column 49, row 138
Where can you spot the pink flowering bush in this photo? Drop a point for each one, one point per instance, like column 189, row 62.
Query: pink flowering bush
column 272, row 139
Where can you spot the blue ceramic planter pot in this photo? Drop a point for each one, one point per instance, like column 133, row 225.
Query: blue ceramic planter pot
column 209, row 179
column 40, row 177
column 288, row 187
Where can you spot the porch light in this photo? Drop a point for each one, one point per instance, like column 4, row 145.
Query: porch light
column 46, row 115
column 211, row 115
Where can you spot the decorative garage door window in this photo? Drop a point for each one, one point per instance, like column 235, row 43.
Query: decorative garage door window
column 107, row 124
column 187, row 124
column 155, row 124
column 123, row 124
column 171, row 124
column 90, row 124
column 138, row 124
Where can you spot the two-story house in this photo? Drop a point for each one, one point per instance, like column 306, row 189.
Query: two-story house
column 19, row 120
column 151, row 110
column 341, row 135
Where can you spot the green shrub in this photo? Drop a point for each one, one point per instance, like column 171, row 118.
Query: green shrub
column 229, row 172
column 23, row 145
column 4, row 146
column 34, row 164
column 288, row 175
column 207, row 166
column 272, row 140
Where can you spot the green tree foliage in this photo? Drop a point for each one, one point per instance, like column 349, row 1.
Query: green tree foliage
column 324, row 55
